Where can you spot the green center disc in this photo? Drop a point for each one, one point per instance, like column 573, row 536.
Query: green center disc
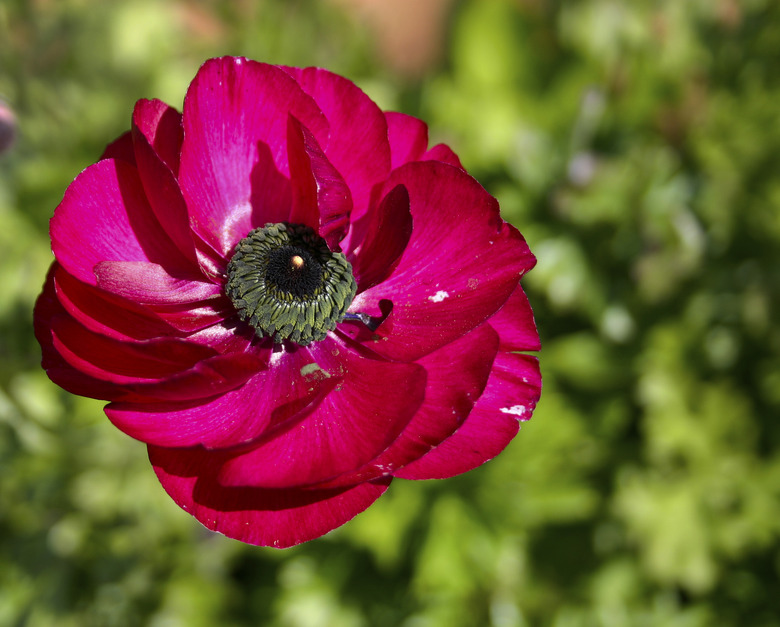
column 286, row 283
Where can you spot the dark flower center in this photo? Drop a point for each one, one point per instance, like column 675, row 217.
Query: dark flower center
column 286, row 283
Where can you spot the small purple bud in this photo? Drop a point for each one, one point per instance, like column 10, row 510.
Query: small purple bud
column 7, row 127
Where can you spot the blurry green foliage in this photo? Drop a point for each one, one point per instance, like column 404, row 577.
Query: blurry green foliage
column 636, row 146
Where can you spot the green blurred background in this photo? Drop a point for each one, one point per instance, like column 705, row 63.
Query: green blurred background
column 635, row 144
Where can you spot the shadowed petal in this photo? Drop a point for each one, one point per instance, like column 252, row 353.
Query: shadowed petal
column 234, row 171
column 515, row 324
column 47, row 308
column 121, row 148
column 145, row 359
column 208, row 377
column 456, row 377
column 271, row 399
column 96, row 366
column 357, row 145
column 510, row 396
column 278, row 518
column 461, row 264
column 104, row 313
column 160, row 125
column 185, row 304
column 157, row 140
column 377, row 240
column 105, row 216
column 360, row 418
column 408, row 137
column 320, row 198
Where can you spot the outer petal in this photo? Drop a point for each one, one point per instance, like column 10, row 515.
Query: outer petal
column 456, row 377
column 443, row 153
column 515, row 324
column 104, row 313
column 357, row 144
column 105, row 216
column 234, row 168
column 185, row 304
column 89, row 364
column 160, row 125
column 274, row 398
column 157, row 137
column 461, row 265
column 409, row 142
column 408, row 137
column 511, row 395
column 278, row 518
column 125, row 361
column 47, row 307
column 121, row 148
column 349, row 427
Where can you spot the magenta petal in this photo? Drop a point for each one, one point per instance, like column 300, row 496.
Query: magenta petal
column 145, row 359
column 185, row 304
column 73, row 380
column 223, row 421
column 121, row 148
column 349, row 427
column 192, row 319
column 215, row 375
column 157, row 139
column 443, row 153
column 105, row 216
column 515, row 324
column 160, row 125
column 379, row 238
column 225, row 338
column 48, row 308
column 103, row 368
column 357, row 144
column 320, row 197
column 269, row 400
column 455, row 273
column 234, row 170
column 510, row 396
column 103, row 313
column 408, row 137
column 278, row 518
column 150, row 284
column 409, row 142
column 456, row 377
column 208, row 378
column 162, row 368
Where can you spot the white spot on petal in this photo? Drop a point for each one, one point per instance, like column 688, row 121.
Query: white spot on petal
column 515, row 410
column 438, row 296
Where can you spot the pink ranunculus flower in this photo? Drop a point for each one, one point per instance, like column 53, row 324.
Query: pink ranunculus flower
column 291, row 299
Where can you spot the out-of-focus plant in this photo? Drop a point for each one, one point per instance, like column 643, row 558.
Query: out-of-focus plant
column 635, row 144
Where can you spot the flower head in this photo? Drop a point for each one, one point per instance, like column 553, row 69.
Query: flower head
column 291, row 299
